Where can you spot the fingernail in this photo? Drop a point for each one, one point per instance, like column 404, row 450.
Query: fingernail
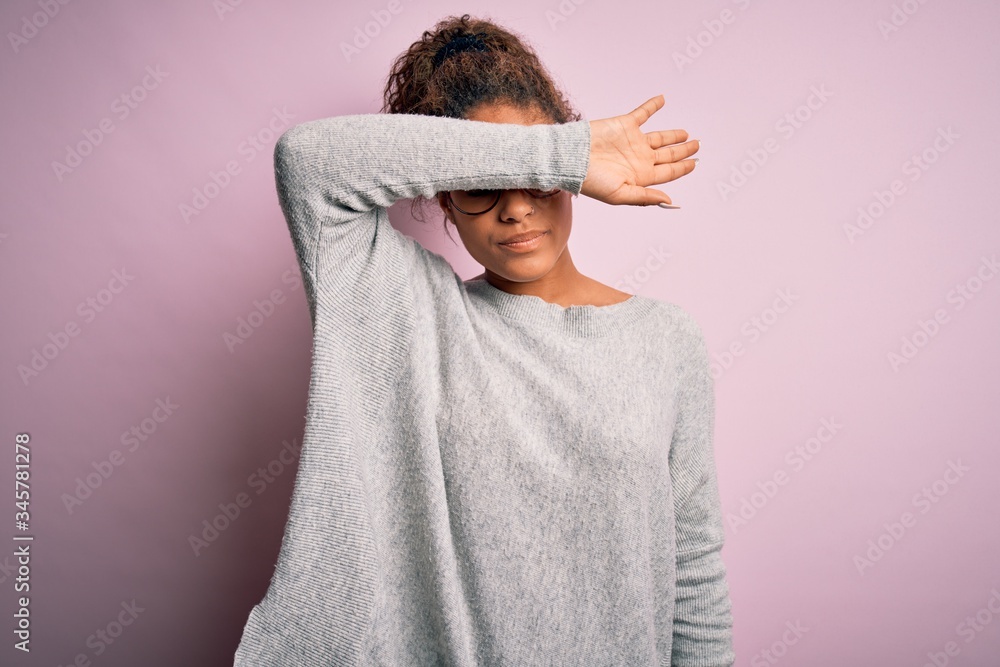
column 696, row 160
column 663, row 205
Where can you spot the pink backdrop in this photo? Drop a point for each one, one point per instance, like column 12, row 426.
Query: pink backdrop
column 836, row 243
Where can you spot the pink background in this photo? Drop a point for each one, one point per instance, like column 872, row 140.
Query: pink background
column 792, row 555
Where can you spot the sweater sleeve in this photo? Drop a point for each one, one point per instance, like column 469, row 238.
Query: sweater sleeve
column 336, row 176
column 703, row 616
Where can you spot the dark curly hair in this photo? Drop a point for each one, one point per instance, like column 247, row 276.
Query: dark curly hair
column 501, row 69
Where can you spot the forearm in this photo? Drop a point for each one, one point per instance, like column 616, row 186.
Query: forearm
column 331, row 171
column 703, row 623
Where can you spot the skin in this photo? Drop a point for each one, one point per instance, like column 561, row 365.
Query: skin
column 623, row 160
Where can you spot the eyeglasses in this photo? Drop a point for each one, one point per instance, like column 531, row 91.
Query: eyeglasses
column 477, row 202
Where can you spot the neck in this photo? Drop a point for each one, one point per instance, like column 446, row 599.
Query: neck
column 563, row 284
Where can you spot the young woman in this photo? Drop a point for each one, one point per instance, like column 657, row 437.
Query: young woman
column 515, row 469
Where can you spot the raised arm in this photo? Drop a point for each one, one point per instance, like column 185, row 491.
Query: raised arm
column 337, row 176
column 333, row 173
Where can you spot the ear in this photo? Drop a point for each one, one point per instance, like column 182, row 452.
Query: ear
column 443, row 203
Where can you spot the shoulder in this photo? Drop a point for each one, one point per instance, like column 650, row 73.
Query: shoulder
column 683, row 335
column 678, row 320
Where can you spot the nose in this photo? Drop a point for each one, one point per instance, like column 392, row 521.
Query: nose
column 515, row 204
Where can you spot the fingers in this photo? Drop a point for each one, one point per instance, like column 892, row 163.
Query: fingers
column 676, row 152
column 664, row 173
column 658, row 138
column 642, row 113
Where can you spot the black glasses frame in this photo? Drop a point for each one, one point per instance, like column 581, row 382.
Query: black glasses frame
column 496, row 199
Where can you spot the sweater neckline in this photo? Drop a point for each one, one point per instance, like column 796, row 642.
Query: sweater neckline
column 584, row 321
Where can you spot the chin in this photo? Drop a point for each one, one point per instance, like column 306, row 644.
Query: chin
column 523, row 274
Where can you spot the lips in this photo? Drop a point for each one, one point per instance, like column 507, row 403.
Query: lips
column 524, row 236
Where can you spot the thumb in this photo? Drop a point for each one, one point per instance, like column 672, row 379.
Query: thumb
column 644, row 111
column 638, row 195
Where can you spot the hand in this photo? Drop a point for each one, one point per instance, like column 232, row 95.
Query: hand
column 624, row 159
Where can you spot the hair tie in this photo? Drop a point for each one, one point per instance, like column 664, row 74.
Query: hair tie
column 458, row 44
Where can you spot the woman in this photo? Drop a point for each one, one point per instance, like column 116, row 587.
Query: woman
column 515, row 469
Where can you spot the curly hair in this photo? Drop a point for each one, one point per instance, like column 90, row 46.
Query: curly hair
column 503, row 69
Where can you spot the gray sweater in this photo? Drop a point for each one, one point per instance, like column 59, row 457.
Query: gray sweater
column 486, row 478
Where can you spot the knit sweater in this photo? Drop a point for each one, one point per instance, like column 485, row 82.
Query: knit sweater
column 486, row 478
